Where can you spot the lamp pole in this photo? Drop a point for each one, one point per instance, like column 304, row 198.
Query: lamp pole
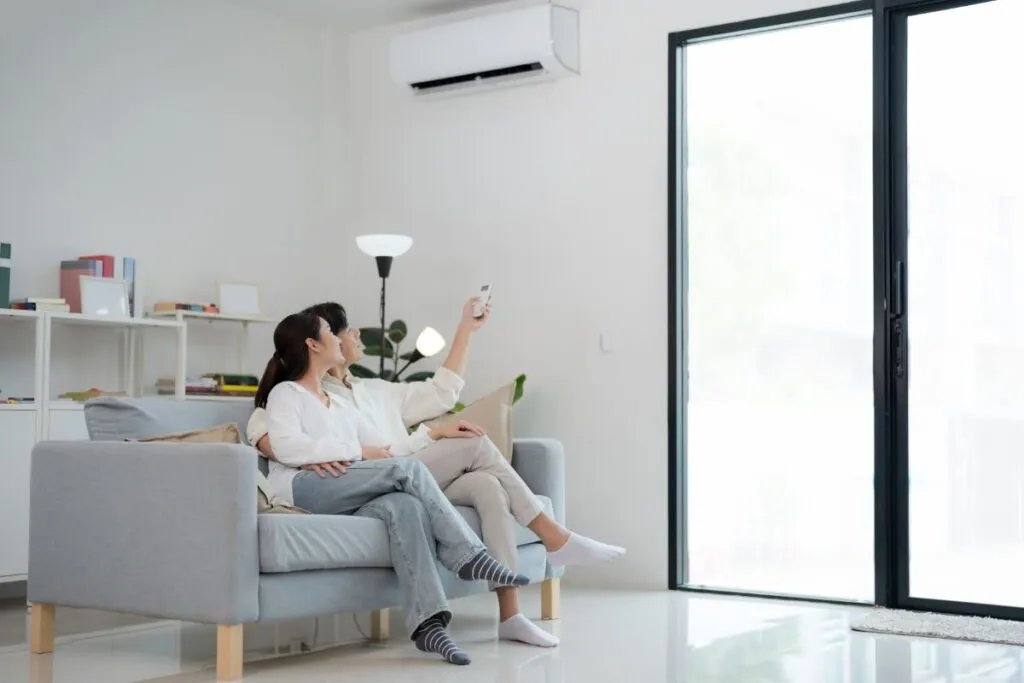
column 384, row 270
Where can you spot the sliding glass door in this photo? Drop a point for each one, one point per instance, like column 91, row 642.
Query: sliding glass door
column 846, row 287
column 965, row 303
column 777, row 286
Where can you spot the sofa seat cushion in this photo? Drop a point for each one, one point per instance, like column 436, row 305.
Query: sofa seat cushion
column 293, row 543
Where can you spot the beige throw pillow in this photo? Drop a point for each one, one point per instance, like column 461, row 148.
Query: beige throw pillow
column 222, row 434
column 492, row 412
column 266, row 500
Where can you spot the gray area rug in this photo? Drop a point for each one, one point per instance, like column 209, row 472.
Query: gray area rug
column 951, row 627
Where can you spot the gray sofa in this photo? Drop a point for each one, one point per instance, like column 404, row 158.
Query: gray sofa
column 171, row 531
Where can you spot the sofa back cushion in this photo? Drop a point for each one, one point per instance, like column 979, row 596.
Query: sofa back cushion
column 111, row 418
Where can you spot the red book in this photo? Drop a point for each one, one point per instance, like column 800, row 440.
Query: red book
column 106, row 260
column 70, row 285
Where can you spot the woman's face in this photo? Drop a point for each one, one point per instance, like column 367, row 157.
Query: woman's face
column 327, row 350
column 351, row 345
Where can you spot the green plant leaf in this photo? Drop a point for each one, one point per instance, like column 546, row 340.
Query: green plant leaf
column 372, row 340
column 362, row 372
column 398, row 331
column 419, row 377
column 370, row 335
column 518, row 392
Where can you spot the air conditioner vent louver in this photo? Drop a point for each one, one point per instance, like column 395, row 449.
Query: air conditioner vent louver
column 513, row 48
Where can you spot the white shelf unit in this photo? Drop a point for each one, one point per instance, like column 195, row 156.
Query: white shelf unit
column 183, row 317
column 22, row 426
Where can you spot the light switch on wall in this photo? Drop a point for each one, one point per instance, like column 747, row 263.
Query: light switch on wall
column 606, row 342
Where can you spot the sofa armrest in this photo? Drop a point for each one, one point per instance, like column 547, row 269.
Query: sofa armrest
column 164, row 530
column 541, row 464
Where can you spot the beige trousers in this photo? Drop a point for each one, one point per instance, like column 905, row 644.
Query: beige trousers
column 473, row 472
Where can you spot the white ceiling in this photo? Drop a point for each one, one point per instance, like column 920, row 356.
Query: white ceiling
column 358, row 14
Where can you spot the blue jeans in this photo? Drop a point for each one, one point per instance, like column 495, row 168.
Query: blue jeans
column 403, row 494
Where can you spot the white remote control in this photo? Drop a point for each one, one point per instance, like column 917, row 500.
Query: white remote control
column 483, row 298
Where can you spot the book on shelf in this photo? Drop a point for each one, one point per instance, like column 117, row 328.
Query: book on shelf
column 70, row 280
column 106, row 262
column 234, row 379
column 41, row 304
column 166, row 306
column 5, row 274
column 87, row 394
column 211, row 385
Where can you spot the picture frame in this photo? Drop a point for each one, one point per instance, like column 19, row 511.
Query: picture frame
column 239, row 298
column 104, row 296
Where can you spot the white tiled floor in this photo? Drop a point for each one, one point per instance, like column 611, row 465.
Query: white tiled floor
column 620, row 637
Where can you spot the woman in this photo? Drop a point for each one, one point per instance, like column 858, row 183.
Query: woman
column 466, row 464
column 309, row 428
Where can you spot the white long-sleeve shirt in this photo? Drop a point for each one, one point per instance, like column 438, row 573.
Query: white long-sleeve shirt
column 389, row 407
column 394, row 407
column 304, row 431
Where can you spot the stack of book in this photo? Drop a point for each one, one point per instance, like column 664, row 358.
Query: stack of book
column 38, row 303
column 213, row 384
column 86, row 394
column 235, row 385
column 101, row 265
column 165, row 306
column 194, row 386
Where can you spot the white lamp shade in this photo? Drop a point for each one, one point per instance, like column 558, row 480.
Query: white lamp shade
column 430, row 342
column 384, row 245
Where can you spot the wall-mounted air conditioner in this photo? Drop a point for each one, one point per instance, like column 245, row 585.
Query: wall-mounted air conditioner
column 512, row 48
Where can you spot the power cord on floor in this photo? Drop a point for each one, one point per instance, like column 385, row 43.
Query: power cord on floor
column 355, row 620
column 316, row 633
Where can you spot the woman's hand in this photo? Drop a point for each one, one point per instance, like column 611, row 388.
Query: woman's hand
column 376, row 452
column 335, row 469
column 469, row 321
column 457, row 430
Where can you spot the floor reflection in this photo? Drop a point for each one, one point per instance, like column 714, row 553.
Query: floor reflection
column 606, row 636
column 811, row 646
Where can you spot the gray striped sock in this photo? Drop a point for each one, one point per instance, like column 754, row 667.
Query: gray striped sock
column 483, row 567
column 432, row 637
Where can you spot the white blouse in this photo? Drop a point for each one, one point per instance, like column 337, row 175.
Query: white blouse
column 388, row 407
column 304, row 431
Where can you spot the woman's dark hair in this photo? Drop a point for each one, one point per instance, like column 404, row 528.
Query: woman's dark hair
column 291, row 354
column 333, row 313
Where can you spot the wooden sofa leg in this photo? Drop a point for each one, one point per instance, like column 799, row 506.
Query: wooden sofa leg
column 229, row 652
column 41, row 628
column 380, row 624
column 551, row 599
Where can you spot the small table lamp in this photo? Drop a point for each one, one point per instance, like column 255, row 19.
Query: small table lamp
column 428, row 344
column 384, row 248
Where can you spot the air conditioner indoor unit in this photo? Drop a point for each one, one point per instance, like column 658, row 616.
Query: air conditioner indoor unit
column 512, row 48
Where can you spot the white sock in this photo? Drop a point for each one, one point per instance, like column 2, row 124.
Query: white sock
column 580, row 550
column 522, row 630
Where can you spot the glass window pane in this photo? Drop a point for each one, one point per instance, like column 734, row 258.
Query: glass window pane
column 965, row 270
column 780, row 421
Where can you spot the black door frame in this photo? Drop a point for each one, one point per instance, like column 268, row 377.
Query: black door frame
column 891, row 523
column 892, row 455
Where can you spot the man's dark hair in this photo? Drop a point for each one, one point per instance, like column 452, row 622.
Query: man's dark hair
column 333, row 313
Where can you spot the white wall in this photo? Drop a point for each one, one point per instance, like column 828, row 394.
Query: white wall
column 199, row 136
column 556, row 193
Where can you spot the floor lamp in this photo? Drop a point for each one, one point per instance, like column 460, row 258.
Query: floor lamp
column 384, row 248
